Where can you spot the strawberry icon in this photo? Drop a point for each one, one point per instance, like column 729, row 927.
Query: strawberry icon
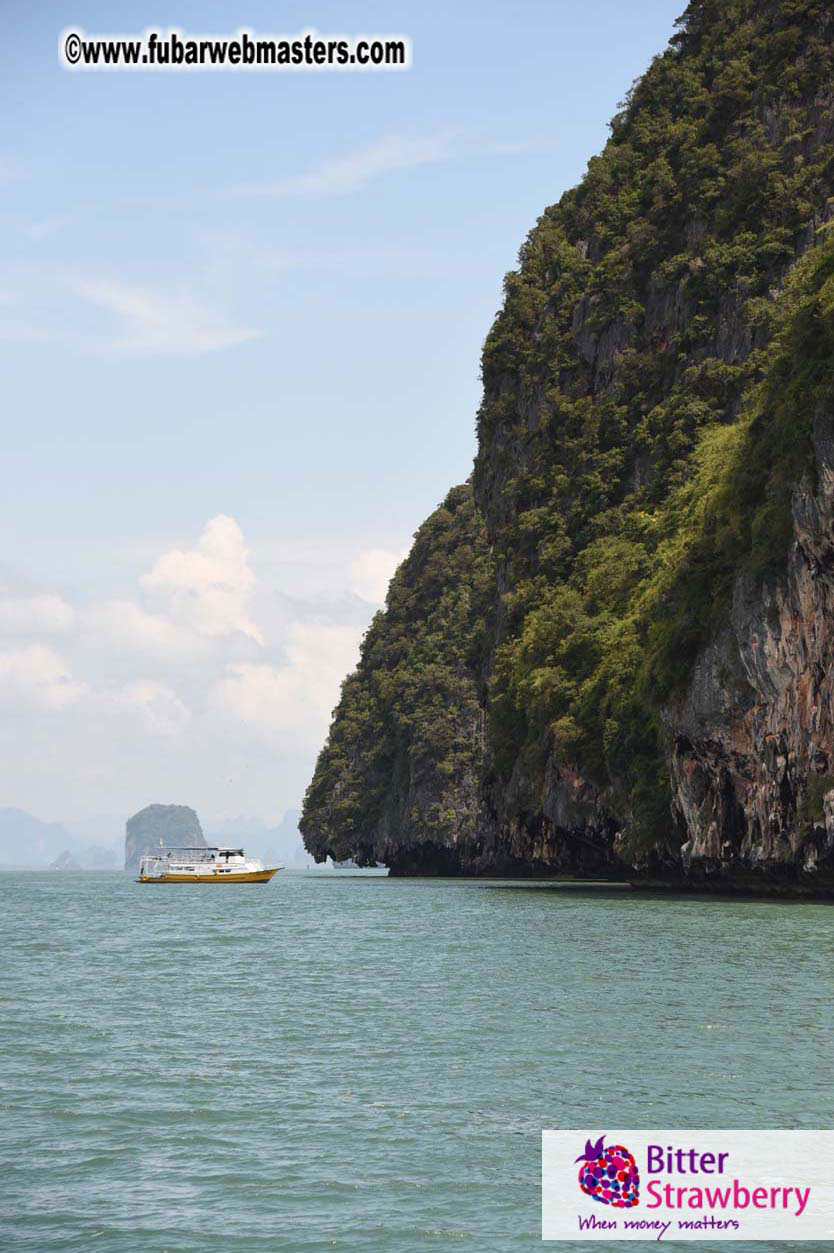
column 609, row 1175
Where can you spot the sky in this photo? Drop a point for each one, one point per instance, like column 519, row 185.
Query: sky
column 241, row 317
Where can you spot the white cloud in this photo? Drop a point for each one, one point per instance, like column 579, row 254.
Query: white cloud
column 34, row 674
column 208, row 587
column 341, row 175
column 298, row 696
column 371, row 572
column 126, row 624
column 155, row 322
column 213, row 683
column 161, row 710
column 344, row 174
column 45, row 614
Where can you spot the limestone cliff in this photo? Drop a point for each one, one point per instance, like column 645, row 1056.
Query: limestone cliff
column 752, row 738
column 161, row 826
column 399, row 778
column 652, row 506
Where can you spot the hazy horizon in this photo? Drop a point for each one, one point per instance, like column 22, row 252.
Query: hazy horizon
column 110, row 828
column 27, row 842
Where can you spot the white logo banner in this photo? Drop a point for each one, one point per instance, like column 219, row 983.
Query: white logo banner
column 687, row 1185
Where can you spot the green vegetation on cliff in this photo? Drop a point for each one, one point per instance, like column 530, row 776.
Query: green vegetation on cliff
column 601, row 651
column 403, row 757
column 649, row 391
column 735, row 513
column 636, row 330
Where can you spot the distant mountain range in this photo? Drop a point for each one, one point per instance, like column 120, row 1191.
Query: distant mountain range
column 27, row 842
column 279, row 845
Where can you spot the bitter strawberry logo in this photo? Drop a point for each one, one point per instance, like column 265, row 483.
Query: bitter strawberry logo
column 609, row 1175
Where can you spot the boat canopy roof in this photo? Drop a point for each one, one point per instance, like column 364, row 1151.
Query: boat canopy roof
column 166, row 849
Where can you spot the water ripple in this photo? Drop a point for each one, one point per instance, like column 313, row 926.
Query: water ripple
column 355, row 1063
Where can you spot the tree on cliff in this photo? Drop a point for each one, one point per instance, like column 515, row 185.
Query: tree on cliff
column 650, row 387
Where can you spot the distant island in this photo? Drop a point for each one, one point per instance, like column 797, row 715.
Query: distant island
column 172, row 826
column 29, row 843
column 159, row 827
column 65, row 861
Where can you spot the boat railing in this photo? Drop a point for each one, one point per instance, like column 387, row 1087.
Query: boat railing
column 158, row 862
column 193, row 854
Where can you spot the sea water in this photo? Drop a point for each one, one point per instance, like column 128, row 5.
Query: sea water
column 353, row 1062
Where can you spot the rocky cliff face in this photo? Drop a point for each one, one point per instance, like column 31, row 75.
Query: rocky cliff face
column 652, row 505
column 161, row 826
column 753, row 738
column 399, row 778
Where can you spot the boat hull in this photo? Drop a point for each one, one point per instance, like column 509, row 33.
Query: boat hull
column 248, row 876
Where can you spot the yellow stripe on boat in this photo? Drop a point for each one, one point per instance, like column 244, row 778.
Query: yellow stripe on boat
column 252, row 876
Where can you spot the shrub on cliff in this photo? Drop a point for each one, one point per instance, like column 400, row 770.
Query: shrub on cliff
column 649, row 388
column 403, row 756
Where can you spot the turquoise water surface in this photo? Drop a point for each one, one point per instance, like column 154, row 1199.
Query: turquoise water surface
column 353, row 1062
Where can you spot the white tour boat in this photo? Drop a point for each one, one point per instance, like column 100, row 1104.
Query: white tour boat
column 203, row 865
